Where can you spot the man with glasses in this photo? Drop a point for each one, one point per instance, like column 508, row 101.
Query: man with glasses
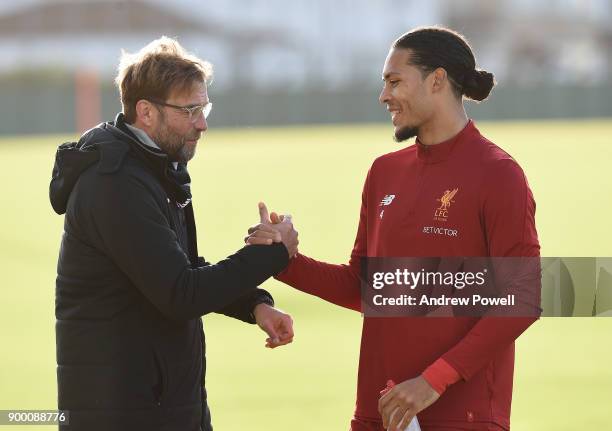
column 131, row 287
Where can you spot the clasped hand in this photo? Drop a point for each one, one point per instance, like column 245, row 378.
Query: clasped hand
column 273, row 228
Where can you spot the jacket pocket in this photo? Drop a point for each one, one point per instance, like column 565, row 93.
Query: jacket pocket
column 178, row 383
column 160, row 387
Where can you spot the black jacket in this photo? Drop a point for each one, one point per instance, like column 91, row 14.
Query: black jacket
column 131, row 288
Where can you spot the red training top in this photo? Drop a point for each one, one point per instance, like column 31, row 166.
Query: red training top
column 490, row 212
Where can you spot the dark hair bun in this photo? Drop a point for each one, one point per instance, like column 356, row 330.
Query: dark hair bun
column 477, row 85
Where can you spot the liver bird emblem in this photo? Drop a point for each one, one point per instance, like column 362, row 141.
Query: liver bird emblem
column 447, row 198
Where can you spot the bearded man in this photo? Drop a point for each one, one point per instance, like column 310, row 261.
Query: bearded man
column 131, row 287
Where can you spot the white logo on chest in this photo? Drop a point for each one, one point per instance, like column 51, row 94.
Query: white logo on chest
column 386, row 201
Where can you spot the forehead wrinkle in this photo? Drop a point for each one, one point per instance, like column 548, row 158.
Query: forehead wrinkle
column 191, row 93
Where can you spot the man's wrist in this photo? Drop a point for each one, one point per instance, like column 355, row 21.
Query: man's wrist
column 263, row 298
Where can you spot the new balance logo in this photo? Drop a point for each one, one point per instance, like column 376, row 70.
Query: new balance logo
column 387, row 200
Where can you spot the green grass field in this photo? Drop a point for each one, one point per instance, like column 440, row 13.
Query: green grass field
column 563, row 377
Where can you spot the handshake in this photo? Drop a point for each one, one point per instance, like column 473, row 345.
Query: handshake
column 273, row 228
column 270, row 229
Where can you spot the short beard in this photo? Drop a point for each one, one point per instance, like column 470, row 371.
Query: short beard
column 172, row 144
column 405, row 133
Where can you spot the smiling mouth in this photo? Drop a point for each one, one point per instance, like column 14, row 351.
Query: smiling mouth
column 394, row 113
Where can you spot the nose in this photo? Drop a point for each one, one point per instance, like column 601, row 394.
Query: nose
column 383, row 98
column 201, row 125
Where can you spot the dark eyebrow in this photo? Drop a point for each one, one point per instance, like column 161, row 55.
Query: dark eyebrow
column 388, row 75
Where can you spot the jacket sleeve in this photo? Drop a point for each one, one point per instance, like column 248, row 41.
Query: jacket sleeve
column 508, row 214
column 338, row 284
column 242, row 308
column 129, row 225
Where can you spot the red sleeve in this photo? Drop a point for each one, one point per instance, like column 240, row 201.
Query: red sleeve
column 508, row 215
column 338, row 284
column 440, row 375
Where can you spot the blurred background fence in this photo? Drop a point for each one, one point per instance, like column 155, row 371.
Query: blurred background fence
column 310, row 61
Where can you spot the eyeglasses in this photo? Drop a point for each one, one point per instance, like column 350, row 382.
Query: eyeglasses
column 193, row 112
